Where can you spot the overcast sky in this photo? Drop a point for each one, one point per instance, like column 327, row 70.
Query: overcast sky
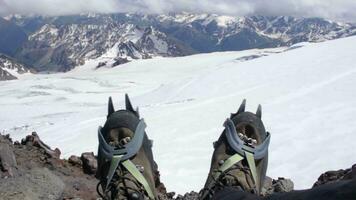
column 332, row 9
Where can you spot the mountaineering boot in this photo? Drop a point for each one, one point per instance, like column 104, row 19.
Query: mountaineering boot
column 240, row 155
column 126, row 168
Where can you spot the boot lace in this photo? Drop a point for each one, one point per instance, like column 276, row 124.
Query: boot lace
column 226, row 179
column 119, row 188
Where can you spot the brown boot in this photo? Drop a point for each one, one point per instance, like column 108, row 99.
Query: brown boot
column 240, row 156
column 126, row 168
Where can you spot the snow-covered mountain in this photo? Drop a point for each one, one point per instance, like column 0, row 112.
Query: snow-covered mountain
column 61, row 43
column 10, row 69
column 307, row 94
column 282, row 30
column 61, row 47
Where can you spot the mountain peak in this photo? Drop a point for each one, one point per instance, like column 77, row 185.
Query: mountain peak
column 61, row 43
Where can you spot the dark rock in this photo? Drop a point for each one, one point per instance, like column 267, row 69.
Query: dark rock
column 188, row 196
column 8, row 160
column 39, row 176
column 120, row 61
column 34, row 140
column 353, row 172
column 283, row 185
column 280, row 185
column 334, row 176
column 6, row 76
column 90, row 164
column 170, row 194
column 56, row 153
column 38, row 183
column 76, row 186
column 161, row 188
column 75, row 160
column 7, row 136
column 101, row 64
column 8, row 65
column 267, row 185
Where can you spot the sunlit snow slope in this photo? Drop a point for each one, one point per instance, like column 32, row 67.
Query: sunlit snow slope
column 307, row 94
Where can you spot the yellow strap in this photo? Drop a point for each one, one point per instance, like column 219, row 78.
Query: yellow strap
column 138, row 176
column 227, row 164
column 113, row 165
column 251, row 163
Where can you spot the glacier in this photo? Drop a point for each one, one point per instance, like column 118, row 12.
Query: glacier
column 307, row 94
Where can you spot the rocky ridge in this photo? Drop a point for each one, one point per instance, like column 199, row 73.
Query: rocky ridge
column 10, row 69
column 30, row 169
column 69, row 45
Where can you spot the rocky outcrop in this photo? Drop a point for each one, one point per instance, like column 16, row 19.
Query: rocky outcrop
column 8, row 162
column 89, row 163
column 35, row 183
column 10, row 69
column 6, row 76
column 32, row 170
column 335, row 176
column 280, row 185
column 34, row 140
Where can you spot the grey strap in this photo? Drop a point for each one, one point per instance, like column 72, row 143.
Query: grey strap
column 129, row 150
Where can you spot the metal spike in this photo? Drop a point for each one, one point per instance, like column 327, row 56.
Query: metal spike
column 240, row 110
column 242, row 107
column 111, row 109
column 128, row 103
column 259, row 111
column 137, row 112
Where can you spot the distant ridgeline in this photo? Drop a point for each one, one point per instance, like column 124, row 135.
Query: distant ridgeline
column 58, row 44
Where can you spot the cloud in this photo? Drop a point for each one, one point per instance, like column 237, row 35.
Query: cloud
column 332, row 9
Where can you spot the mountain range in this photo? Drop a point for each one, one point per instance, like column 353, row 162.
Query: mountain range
column 58, row 44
